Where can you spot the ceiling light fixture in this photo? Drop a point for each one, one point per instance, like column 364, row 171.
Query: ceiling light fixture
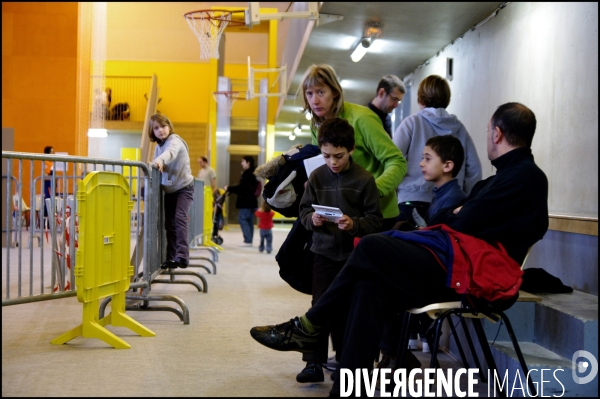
column 97, row 133
column 372, row 31
column 292, row 137
column 297, row 130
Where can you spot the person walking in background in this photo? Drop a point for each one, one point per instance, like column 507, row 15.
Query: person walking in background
column 48, row 173
column 207, row 174
column 324, row 99
column 265, row 224
column 432, row 120
column 106, row 102
column 171, row 157
column 246, row 201
column 390, row 92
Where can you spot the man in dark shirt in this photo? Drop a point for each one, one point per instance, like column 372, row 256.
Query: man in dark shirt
column 390, row 92
column 510, row 207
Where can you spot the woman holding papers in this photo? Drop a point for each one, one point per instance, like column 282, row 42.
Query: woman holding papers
column 375, row 151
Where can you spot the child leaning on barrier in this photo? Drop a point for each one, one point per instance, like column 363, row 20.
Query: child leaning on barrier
column 172, row 158
column 343, row 184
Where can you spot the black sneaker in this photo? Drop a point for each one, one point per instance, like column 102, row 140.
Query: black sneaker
column 287, row 336
column 170, row 264
column 313, row 372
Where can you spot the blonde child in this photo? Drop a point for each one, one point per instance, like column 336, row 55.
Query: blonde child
column 172, row 158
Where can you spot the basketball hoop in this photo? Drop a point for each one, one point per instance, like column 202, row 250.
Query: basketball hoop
column 208, row 25
column 230, row 97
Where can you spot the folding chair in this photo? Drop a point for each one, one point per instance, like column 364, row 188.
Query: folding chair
column 20, row 209
column 475, row 310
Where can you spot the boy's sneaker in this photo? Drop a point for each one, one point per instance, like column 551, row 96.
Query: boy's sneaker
column 245, row 244
column 260, row 249
column 425, row 347
column 287, row 336
column 313, row 372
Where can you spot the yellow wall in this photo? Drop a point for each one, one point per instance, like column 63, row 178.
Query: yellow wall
column 183, row 87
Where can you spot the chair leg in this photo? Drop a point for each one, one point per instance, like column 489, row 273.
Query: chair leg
column 404, row 337
column 472, row 348
column 515, row 343
column 485, row 347
column 436, row 340
column 457, row 341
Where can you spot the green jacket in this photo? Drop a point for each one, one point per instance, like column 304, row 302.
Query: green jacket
column 375, row 152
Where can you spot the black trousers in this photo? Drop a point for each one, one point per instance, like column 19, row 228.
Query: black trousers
column 382, row 277
column 177, row 207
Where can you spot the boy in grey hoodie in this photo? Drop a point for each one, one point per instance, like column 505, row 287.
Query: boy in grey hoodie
column 432, row 120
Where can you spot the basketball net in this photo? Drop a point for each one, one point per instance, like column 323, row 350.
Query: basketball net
column 208, row 25
column 228, row 96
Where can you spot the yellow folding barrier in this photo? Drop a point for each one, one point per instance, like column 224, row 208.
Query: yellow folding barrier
column 102, row 268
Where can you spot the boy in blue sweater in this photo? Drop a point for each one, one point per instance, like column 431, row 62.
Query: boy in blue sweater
column 443, row 157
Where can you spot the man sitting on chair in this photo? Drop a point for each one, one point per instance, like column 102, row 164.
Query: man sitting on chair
column 509, row 208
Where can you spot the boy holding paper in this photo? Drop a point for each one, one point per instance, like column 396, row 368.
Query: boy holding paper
column 343, row 184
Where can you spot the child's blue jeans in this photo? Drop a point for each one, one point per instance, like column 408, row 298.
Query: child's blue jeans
column 266, row 235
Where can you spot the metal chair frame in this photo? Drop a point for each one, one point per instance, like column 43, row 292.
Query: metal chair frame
column 441, row 311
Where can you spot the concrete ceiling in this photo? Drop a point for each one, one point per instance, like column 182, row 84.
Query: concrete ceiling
column 411, row 34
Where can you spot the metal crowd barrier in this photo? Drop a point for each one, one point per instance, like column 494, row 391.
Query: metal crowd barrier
column 25, row 268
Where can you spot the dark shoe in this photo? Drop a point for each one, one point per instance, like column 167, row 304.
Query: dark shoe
column 386, row 362
column 287, row 336
column 313, row 372
column 182, row 263
column 170, row 264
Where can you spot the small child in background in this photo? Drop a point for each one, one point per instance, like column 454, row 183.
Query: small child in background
column 265, row 224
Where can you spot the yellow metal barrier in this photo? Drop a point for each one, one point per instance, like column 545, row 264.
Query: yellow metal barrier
column 102, row 268
column 208, row 219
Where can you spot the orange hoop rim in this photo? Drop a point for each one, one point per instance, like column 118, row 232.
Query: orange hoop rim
column 208, row 14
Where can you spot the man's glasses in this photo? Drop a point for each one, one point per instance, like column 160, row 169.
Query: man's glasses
column 394, row 98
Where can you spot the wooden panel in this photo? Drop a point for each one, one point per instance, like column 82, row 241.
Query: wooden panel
column 574, row 224
column 196, row 137
column 527, row 297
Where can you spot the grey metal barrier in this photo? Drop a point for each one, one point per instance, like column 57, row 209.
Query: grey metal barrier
column 25, row 268
column 52, row 222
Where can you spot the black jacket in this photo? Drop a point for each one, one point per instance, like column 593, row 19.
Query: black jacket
column 510, row 207
column 245, row 190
